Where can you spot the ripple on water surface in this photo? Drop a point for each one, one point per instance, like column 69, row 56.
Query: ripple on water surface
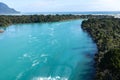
column 46, row 51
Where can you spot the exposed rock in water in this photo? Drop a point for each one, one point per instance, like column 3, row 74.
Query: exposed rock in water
column 1, row 31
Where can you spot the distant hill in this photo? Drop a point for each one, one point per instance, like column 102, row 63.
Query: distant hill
column 4, row 9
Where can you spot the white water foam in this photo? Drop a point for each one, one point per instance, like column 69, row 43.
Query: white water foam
column 19, row 76
column 34, row 64
column 26, row 55
column 35, row 61
column 50, row 78
column 43, row 55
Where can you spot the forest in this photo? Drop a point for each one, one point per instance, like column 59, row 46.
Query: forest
column 6, row 20
column 106, row 34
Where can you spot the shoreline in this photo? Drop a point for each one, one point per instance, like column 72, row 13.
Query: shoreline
column 108, row 47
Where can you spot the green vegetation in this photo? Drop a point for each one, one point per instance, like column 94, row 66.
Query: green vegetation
column 106, row 34
column 7, row 20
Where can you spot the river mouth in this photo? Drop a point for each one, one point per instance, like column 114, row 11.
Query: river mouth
column 46, row 51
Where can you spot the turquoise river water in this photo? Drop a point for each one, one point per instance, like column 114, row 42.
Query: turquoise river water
column 46, row 51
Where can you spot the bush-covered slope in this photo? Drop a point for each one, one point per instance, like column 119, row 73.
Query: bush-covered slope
column 106, row 34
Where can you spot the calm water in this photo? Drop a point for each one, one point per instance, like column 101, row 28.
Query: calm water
column 82, row 13
column 46, row 51
column 74, row 13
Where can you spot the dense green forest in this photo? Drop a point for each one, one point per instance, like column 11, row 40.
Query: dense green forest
column 6, row 20
column 106, row 34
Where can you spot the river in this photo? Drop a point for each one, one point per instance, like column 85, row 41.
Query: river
column 46, row 51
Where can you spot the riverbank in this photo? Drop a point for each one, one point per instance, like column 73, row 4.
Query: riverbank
column 106, row 33
column 6, row 20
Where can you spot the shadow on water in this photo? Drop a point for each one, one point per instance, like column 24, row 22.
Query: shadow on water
column 86, row 74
